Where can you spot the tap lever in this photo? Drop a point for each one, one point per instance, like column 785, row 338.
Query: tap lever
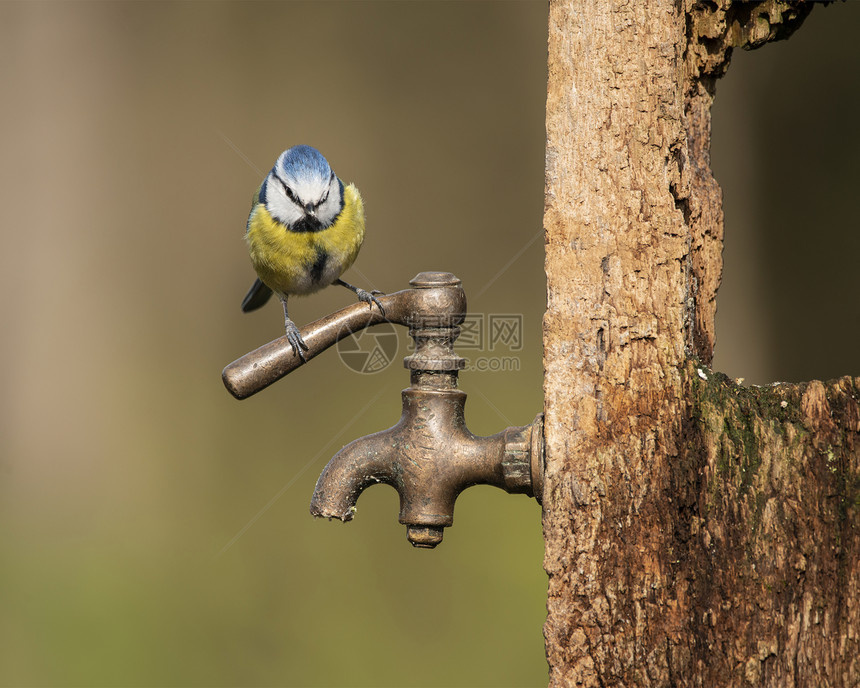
column 258, row 369
column 435, row 300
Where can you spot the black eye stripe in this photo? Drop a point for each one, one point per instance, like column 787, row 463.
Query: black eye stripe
column 288, row 191
column 295, row 199
column 328, row 189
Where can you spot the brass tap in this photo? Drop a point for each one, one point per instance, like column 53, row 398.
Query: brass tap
column 429, row 456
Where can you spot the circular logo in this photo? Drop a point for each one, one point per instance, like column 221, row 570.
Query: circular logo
column 369, row 350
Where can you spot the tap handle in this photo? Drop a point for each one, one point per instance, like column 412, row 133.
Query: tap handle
column 260, row 368
column 435, row 299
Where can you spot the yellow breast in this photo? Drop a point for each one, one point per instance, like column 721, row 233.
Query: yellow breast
column 304, row 262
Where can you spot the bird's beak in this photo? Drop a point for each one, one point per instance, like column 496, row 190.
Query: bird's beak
column 309, row 209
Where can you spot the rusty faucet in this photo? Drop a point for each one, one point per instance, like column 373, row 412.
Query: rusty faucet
column 429, row 456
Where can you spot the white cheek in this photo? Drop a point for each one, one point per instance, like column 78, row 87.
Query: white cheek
column 281, row 207
column 328, row 211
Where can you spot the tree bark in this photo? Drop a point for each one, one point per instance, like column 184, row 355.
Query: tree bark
column 697, row 532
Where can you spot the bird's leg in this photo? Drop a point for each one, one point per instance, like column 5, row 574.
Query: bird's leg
column 367, row 296
column 293, row 335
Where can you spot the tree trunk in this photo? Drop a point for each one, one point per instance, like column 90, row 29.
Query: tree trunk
column 697, row 532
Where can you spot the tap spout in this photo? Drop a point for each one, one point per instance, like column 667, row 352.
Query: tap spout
column 360, row 464
column 429, row 457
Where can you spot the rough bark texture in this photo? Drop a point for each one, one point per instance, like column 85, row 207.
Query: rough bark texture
column 697, row 533
column 766, row 553
column 712, row 30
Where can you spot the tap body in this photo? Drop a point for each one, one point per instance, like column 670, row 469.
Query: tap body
column 429, row 456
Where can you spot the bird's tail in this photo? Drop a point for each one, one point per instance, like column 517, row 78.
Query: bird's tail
column 256, row 297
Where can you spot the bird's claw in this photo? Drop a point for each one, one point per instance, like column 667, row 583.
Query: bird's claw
column 369, row 297
column 294, row 337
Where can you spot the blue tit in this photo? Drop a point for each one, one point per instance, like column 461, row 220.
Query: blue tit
column 305, row 229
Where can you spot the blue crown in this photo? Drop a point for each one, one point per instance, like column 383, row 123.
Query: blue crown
column 302, row 162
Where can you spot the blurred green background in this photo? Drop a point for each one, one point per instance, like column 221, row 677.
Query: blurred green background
column 154, row 530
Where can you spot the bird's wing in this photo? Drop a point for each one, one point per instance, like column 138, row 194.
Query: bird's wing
column 256, row 297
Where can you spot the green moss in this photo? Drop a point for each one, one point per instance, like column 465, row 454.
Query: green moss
column 738, row 426
column 832, row 462
column 731, row 415
column 741, row 419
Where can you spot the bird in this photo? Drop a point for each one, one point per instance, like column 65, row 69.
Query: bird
column 304, row 231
